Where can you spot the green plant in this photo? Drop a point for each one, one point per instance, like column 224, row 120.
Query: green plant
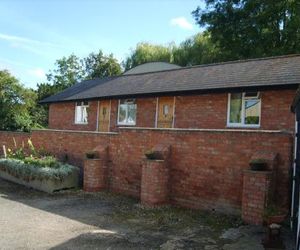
column 32, row 148
column 43, row 152
column 21, row 153
column 92, row 155
column 18, row 153
column 271, row 210
column 29, row 171
column 258, row 164
column 273, row 214
column 153, row 155
column 47, row 161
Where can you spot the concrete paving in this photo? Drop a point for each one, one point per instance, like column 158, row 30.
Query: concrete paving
column 76, row 220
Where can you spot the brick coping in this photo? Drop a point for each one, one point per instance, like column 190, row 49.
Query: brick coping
column 209, row 130
column 158, row 129
column 76, row 131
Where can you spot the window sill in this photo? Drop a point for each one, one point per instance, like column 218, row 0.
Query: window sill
column 242, row 126
column 126, row 124
column 78, row 123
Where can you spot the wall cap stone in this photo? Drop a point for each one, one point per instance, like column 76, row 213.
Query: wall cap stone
column 75, row 131
column 210, row 130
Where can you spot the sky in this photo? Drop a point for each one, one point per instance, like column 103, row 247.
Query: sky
column 33, row 34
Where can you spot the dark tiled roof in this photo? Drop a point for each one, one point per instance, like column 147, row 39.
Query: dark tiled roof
column 273, row 71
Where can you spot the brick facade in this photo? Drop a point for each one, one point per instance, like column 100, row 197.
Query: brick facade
column 62, row 116
column 95, row 175
column 257, row 188
column 194, row 111
column 207, row 164
column 155, row 183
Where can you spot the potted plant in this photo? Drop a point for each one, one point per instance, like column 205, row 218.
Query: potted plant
column 258, row 164
column 273, row 214
column 153, row 155
column 92, row 155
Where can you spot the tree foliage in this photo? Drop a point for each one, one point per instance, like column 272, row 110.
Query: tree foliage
column 252, row 28
column 68, row 71
column 195, row 50
column 16, row 102
column 146, row 52
column 99, row 65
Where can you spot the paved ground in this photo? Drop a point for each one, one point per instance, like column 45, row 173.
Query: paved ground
column 76, row 220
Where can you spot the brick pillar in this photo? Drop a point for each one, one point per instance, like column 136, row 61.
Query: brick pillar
column 95, row 175
column 155, row 181
column 256, row 194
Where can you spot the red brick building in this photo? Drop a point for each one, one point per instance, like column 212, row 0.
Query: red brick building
column 248, row 94
column 212, row 119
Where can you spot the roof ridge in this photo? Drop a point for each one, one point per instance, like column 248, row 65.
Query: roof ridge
column 216, row 64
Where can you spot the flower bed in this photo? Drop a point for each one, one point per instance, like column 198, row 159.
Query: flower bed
column 44, row 178
column 37, row 169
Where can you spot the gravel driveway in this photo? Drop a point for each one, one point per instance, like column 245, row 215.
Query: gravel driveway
column 76, row 220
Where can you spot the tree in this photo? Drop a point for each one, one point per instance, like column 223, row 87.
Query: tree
column 68, row 71
column 15, row 103
column 252, row 28
column 146, row 52
column 196, row 50
column 99, row 65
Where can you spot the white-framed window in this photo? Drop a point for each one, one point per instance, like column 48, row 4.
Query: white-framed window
column 127, row 112
column 81, row 112
column 244, row 109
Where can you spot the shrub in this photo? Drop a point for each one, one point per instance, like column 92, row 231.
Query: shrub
column 153, row 155
column 22, row 152
column 92, row 155
column 18, row 153
column 44, row 162
column 31, row 170
column 258, row 164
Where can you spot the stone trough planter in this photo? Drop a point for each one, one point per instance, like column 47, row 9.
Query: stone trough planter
column 46, row 185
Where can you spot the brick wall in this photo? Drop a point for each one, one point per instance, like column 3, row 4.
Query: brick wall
column 195, row 111
column 155, row 183
column 206, row 167
column 257, row 188
column 201, row 111
column 62, row 116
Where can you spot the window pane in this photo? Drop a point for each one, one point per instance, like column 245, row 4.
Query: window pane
column 84, row 117
column 122, row 113
column 165, row 109
column 235, row 108
column 131, row 114
column 78, row 114
column 252, row 111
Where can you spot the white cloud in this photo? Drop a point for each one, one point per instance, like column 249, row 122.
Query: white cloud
column 38, row 47
column 37, row 73
column 181, row 22
column 18, row 39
